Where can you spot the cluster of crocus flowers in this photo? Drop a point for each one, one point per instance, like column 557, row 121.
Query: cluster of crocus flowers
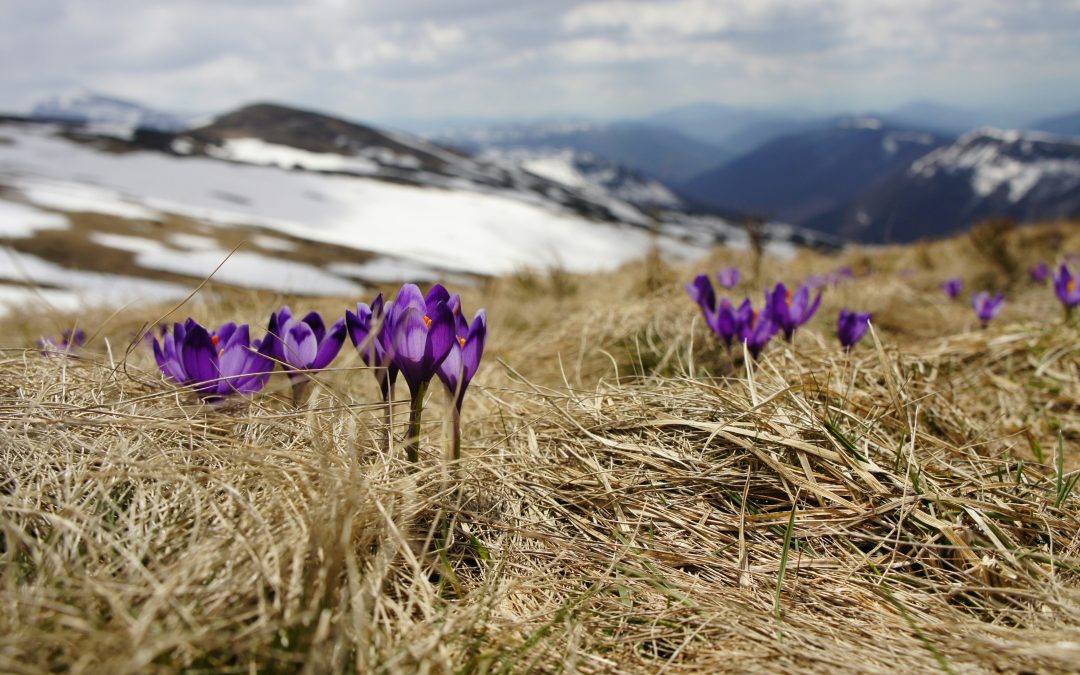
column 215, row 364
column 69, row 342
column 986, row 306
column 419, row 337
column 952, row 287
column 728, row 323
column 851, row 327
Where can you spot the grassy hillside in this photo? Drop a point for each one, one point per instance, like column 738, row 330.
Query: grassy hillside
column 630, row 499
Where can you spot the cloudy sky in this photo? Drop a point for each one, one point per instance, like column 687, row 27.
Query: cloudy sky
column 382, row 60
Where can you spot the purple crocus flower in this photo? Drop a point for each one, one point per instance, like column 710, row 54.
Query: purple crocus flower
column 460, row 365
column 790, row 310
column 844, row 272
column 952, row 287
column 422, row 331
column 1065, row 286
column 727, row 322
column 728, row 277
column 1039, row 272
column 462, row 362
column 757, row 331
column 215, row 364
column 303, row 344
column 986, row 308
column 422, row 334
column 367, row 330
column 851, row 327
column 69, row 342
column 701, row 291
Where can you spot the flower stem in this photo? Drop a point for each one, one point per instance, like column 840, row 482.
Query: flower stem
column 300, row 390
column 456, row 413
column 387, row 390
column 412, row 437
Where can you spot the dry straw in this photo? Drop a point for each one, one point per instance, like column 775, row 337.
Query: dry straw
column 629, row 501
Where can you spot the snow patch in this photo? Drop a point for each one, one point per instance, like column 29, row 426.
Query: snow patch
column 77, row 288
column 19, row 220
column 75, row 197
column 258, row 151
column 194, row 242
column 387, row 270
column 123, row 242
column 272, row 243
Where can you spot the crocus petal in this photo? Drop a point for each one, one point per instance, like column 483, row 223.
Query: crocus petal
column 359, row 327
column 409, row 295
column 275, row 338
column 701, row 291
column 799, row 301
column 809, row 313
column 728, row 277
column 473, row 350
column 411, row 338
column 441, row 337
column 461, row 324
column 167, row 361
column 435, row 295
column 224, row 334
column 452, row 370
column 198, row 356
column 236, row 335
column 300, row 344
column 330, row 345
column 410, row 343
column 318, row 327
column 232, row 363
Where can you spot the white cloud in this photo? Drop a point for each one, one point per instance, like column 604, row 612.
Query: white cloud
column 371, row 58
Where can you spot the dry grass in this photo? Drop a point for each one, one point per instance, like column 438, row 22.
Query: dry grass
column 629, row 501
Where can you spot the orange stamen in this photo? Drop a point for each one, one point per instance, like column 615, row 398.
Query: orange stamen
column 461, row 341
column 214, row 339
column 1071, row 286
column 788, row 298
column 427, row 321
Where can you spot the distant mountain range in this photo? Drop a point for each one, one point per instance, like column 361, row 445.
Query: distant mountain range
column 656, row 151
column 317, row 204
column 797, row 177
column 987, row 173
column 855, row 176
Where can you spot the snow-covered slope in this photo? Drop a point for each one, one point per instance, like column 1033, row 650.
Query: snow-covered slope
column 322, row 206
column 398, row 231
column 472, row 231
column 1008, row 164
column 986, row 173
